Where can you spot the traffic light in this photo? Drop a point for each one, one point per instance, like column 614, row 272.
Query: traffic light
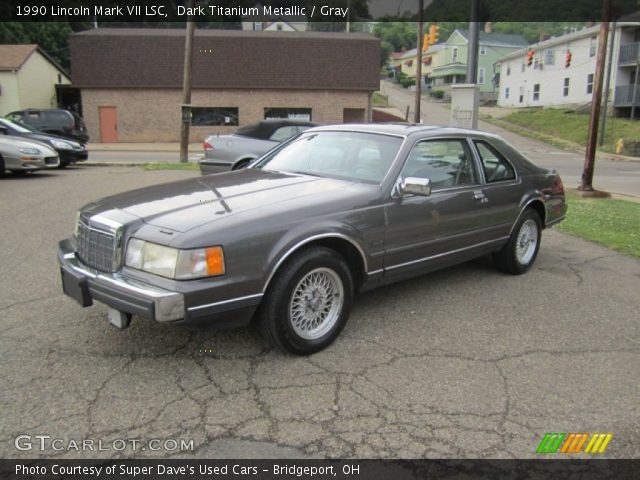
column 425, row 42
column 567, row 62
column 434, row 32
column 530, row 55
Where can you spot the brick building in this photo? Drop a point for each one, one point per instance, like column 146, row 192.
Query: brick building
column 131, row 80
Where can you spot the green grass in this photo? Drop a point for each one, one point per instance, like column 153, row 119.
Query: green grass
column 611, row 222
column 171, row 166
column 571, row 127
column 379, row 100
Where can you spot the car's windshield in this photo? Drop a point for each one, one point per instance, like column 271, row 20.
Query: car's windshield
column 19, row 128
column 349, row 155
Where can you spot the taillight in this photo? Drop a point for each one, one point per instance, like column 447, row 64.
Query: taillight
column 557, row 188
column 207, row 146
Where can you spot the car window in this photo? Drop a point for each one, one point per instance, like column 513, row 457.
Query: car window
column 496, row 167
column 281, row 134
column 447, row 163
column 14, row 117
column 357, row 156
column 59, row 118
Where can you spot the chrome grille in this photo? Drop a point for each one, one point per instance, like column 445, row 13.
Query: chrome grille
column 98, row 249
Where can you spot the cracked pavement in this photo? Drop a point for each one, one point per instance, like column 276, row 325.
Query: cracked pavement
column 462, row 363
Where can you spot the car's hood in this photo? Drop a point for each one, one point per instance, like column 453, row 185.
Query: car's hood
column 187, row 204
column 13, row 141
column 45, row 137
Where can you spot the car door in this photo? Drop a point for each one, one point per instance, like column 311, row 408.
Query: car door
column 421, row 229
column 502, row 189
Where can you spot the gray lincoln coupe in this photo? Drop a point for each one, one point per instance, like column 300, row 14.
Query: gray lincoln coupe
column 333, row 211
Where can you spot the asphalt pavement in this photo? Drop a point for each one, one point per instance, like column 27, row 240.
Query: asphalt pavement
column 463, row 363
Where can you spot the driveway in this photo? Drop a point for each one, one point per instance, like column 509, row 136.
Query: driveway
column 466, row 362
column 614, row 176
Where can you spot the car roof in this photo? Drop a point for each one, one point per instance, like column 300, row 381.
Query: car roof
column 265, row 128
column 400, row 129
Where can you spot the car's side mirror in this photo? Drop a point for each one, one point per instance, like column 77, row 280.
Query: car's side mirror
column 416, row 186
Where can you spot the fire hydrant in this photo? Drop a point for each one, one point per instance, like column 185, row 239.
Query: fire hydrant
column 619, row 146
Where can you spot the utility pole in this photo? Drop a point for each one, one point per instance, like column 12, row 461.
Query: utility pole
column 416, row 117
column 607, row 85
column 596, row 100
column 472, row 56
column 186, row 89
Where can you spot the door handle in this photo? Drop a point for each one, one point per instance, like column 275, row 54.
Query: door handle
column 480, row 196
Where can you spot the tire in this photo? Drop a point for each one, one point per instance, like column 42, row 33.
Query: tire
column 517, row 256
column 295, row 298
column 241, row 164
column 3, row 172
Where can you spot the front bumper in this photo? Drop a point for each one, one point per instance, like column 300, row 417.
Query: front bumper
column 73, row 156
column 138, row 298
column 190, row 305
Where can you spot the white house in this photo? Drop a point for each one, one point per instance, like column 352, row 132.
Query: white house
column 563, row 68
column 28, row 78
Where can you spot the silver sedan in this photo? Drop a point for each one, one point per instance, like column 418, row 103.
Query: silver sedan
column 19, row 155
column 235, row 151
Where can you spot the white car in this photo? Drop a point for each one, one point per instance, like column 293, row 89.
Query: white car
column 18, row 155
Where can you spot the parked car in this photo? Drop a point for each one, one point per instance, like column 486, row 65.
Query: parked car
column 68, row 150
column 18, row 155
column 235, row 151
column 55, row 121
column 336, row 210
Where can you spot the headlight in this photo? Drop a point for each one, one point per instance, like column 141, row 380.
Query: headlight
column 30, row 151
column 60, row 145
column 173, row 263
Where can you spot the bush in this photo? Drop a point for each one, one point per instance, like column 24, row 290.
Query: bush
column 438, row 94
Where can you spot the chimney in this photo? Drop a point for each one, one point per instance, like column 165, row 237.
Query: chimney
column 488, row 27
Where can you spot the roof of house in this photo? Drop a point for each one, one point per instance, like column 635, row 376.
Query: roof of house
column 13, row 57
column 498, row 39
column 137, row 58
column 562, row 40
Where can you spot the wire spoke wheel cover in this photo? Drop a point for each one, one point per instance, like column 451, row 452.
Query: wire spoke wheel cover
column 316, row 303
column 527, row 242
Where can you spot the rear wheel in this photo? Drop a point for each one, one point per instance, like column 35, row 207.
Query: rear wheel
column 241, row 164
column 517, row 256
column 308, row 302
column 3, row 172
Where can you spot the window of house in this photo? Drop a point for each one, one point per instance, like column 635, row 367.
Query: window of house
column 536, row 92
column 481, row 74
column 508, row 70
column 550, row 56
column 483, row 50
column 285, row 113
column 496, row 167
column 454, row 55
column 521, row 99
column 506, row 93
column 593, row 45
column 206, row 116
column 590, row 83
column 565, row 88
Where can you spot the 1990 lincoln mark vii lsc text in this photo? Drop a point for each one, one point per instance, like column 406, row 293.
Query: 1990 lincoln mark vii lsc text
column 289, row 240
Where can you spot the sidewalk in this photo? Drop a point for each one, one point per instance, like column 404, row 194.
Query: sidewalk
column 143, row 147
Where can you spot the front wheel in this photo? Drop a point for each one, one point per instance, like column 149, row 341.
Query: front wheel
column 308, row 303
column 517, row 256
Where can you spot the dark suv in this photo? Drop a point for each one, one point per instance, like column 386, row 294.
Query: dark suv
column 56, row 121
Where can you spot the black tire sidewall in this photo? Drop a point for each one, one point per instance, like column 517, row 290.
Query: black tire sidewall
column 279, row 298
